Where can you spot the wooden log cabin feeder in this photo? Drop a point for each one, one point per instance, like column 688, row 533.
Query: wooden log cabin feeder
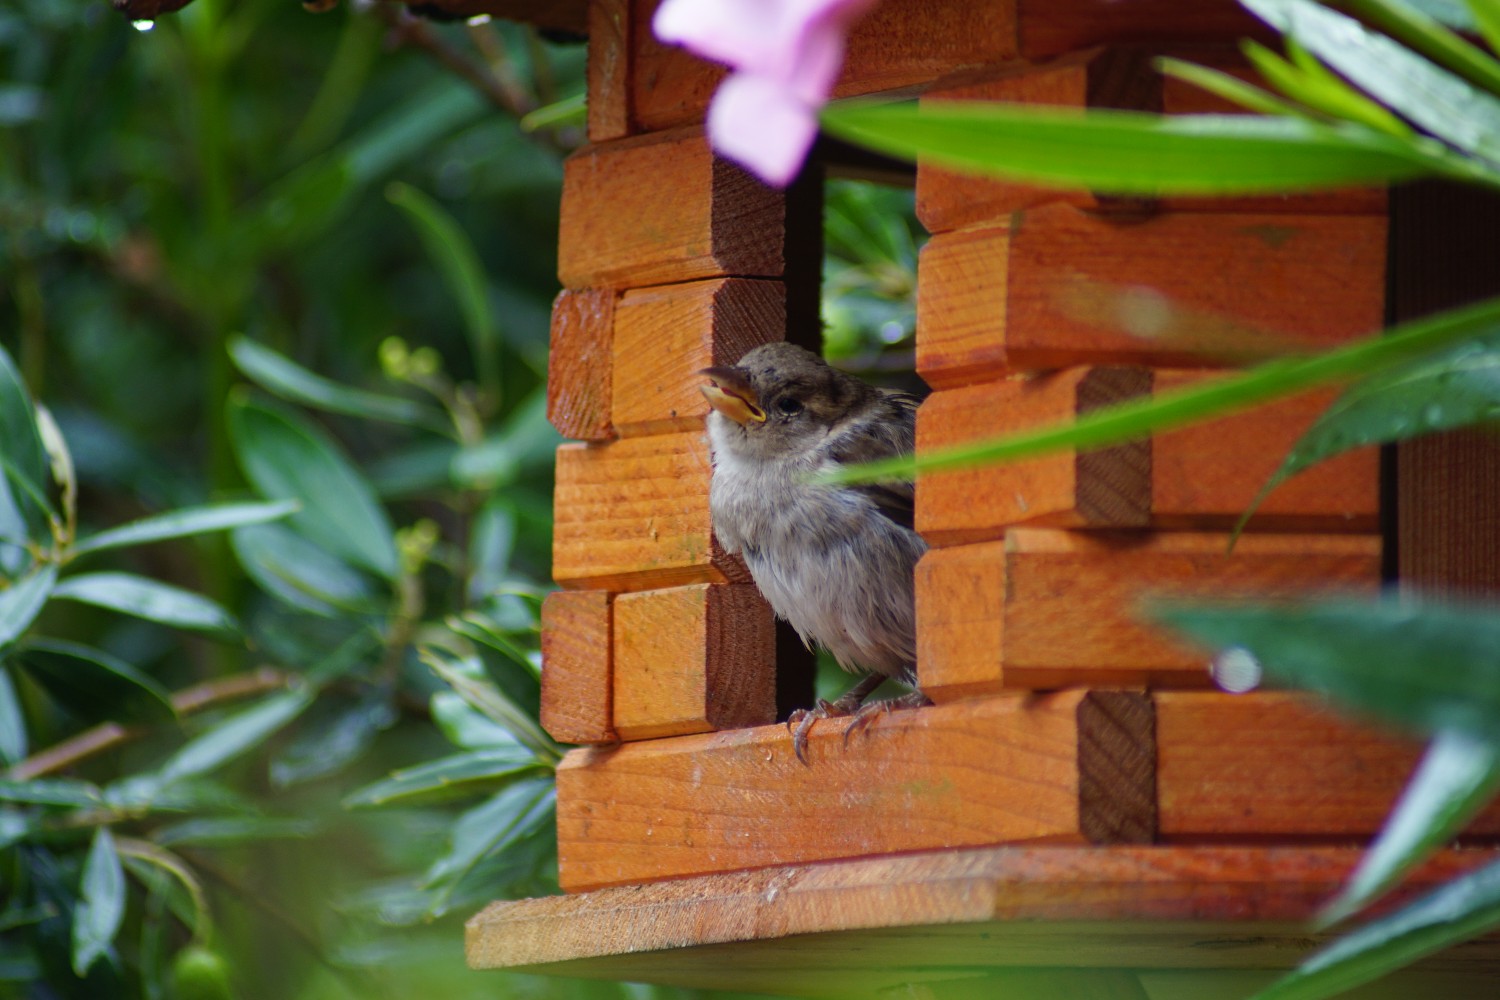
column 1080, row 813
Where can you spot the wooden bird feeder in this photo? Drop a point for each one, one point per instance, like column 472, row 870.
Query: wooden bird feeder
column 1079, row 811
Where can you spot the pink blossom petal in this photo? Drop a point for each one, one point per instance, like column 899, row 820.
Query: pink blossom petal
column 740, row 33
column 762, row 125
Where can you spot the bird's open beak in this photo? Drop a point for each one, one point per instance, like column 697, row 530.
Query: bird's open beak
column 729, row 392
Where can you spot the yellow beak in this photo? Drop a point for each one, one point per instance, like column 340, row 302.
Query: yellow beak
column 730, row 393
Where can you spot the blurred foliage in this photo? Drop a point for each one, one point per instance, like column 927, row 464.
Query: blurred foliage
column 272, row 552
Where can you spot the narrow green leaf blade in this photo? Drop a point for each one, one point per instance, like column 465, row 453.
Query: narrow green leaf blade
column 1462, row 909
column 1457, row 777
column 93, row 683
column 458, row 776
column 488, row 828
column 1431, row 668
column 1128, row 153
column 51, row 792
column 185, row 522
column 13, row 741
column 101, row 903
column 215, row 831
column 289, row 459
column 279, row 374
column 301, row 573
column 454, row 255
column 23, row 601
column 236, row 735
column 1424, row 32
column 20, row 439
column 158, row 602
column 1272, row 380
column 1424, row 93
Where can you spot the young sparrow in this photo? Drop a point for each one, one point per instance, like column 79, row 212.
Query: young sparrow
column 836, row 561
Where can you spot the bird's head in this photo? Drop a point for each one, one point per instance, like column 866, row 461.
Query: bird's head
column 780, row 399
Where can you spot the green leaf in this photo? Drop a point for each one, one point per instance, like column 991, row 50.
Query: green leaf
column 1230, row 88
column 488, row 829
column 184, row 522
column 236, row 735
column 148, row 599
column 301, row 573
column 460, row 776
column 93, row 683
column 1454, row 388
column 20, row 439
column 288, row 459
column 465, row 727
column 22, row 601
column 51, row 792
column 234, row 830
column 1464, row 908
column 1129, row 153
column 1271, row 380
column 101, row 903
column 333, row 739
column 289, row 380
column 568, row 111
column 13, row 741
column 1309, row 82
column 466, row 675
column 454, row 255
column 1422, row 92
column 1425, row 33
column 1428, row 668
column 15, row 826
column 1484, row 18
column 1457, row 777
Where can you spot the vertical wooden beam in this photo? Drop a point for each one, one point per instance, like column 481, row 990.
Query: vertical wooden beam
column 1447, row 492
column 579, row 362
column 576, row 667
column 609, row 70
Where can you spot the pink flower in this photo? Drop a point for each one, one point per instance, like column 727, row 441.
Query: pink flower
column 785, row 54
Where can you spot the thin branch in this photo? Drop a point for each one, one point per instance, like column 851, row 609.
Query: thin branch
column 108, row 735
column 414, row 31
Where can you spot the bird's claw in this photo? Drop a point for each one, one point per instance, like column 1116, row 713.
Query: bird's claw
column 859, row 712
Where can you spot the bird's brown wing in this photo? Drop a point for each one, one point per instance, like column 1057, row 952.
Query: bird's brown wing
column 893, row 433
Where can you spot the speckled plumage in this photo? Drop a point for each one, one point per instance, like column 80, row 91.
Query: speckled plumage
column 834, row 561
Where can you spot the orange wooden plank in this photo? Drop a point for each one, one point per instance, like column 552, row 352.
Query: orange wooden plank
column 963, row 298
column 901, row 926
column 1281, row 764
column 608, row 70
column 1201, row 477
column 1103, row 487
column 1060, row 287
column 1205, row 475
column 664, row 335
column 633, row 515
column 693, row 659
column 578, row 363
column 661, row 208
column 576, row 667
column 979, row 772
column 1052, row 27
column 900, row 43
column 1048, row 608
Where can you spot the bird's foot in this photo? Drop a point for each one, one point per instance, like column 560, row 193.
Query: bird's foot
column 851, row 706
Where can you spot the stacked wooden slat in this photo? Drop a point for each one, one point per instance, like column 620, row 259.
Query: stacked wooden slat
column 1060, row 716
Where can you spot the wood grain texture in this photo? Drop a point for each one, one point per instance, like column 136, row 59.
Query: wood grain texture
column 692, row 660
column 1102, row 487
column 1069, row 603
column 660, row 208
column 633, row 515
column 665, row 335
column 1204, row 476
column 1053, row 27
column 1201, row 477
column 1192, row 289
column 898, row 44
column 577, row 679
column 963, row 302
column 608, row 70
column 1277, row 764
column 864, row 927
column 977, row 772
column 1110, row 78
column 579, row 358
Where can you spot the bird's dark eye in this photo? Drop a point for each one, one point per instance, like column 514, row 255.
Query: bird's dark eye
column 788, row 405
